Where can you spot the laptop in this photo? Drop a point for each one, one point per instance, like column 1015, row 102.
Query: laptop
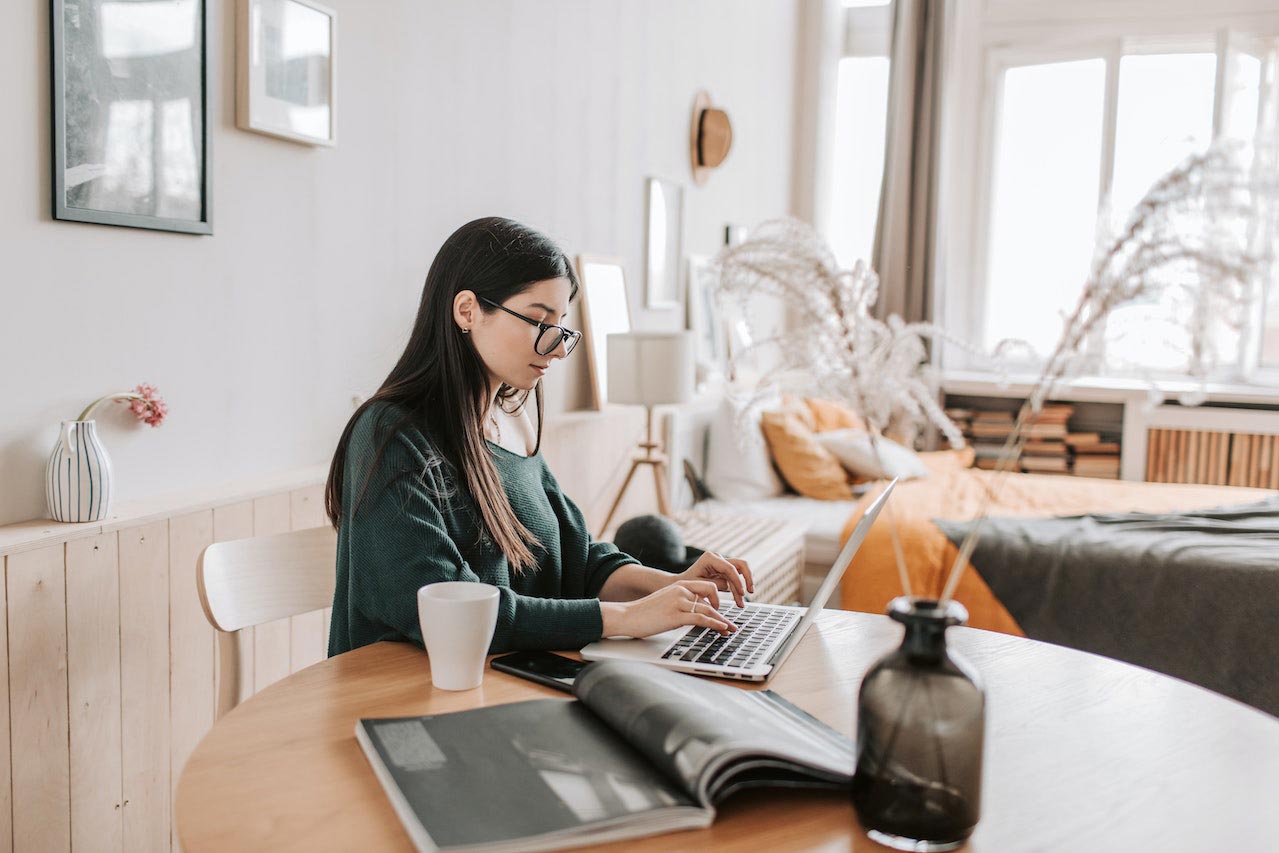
column 766, row 633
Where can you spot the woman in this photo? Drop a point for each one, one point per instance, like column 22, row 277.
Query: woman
column 438, row 476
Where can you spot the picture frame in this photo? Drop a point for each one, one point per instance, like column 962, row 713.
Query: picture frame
column 703, row 316
column 129, row 105
column 664, row 231
column 605, row 311
column 286, row 70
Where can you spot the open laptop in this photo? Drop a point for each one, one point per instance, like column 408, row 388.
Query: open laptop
column 766, row 633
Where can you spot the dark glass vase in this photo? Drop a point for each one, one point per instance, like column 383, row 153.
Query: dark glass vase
column 921, row 716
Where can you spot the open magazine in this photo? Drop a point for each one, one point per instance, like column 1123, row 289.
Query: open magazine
column 641, row 751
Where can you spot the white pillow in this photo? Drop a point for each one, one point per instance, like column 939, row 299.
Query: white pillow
column 853, row 449
column 738, row 464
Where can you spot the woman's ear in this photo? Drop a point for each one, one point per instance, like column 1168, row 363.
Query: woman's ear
column 465, row 309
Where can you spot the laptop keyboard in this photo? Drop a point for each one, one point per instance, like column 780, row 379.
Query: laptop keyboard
column 757, row 628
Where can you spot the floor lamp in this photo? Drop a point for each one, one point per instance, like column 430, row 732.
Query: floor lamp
column 649, row 369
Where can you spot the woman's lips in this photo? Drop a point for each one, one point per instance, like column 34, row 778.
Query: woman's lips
column 541, row 370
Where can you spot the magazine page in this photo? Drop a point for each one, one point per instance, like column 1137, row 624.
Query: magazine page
column 527, row 776
column 700, row 733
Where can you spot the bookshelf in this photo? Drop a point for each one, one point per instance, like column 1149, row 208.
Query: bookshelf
column 1083, row 439
column 1232, row 439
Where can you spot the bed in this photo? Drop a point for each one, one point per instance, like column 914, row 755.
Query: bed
column 952, row 492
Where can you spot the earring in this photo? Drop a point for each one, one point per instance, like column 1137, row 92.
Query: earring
column 465, row 331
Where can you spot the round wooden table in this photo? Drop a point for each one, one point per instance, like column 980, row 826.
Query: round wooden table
column 1082, row 753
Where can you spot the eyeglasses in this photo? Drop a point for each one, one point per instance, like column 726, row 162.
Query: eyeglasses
column 545, row 343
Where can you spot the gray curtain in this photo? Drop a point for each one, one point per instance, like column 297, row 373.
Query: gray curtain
column 905, row 231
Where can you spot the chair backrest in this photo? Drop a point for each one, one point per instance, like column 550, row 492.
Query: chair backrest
column 247, row 582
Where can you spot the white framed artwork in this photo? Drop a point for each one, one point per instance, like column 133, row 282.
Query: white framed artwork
column 286, row 75
column 605, row 311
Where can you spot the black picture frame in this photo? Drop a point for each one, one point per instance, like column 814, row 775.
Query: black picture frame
column 160, row 65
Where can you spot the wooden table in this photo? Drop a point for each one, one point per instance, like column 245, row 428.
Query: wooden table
column 1082, row 753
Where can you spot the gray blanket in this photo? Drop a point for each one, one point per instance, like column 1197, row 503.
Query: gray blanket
column 1194, row 595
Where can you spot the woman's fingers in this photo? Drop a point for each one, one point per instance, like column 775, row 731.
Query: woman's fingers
column 703, row 589
column 745, row 569
column 727, row 570
column 705, row 620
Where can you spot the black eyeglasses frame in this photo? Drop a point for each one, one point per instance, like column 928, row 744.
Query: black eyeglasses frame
column 566, row 334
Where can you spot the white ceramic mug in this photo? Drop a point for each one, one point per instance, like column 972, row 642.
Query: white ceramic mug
column 457, row 618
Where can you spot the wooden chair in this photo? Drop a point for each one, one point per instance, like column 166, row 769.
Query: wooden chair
column 248, row 582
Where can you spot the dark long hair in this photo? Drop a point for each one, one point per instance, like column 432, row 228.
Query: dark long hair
column 440, row 381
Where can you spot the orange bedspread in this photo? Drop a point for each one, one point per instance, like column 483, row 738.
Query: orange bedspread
column 872, row 580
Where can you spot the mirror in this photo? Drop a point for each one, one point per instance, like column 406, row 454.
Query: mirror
column 664, row 236
column 604, row 312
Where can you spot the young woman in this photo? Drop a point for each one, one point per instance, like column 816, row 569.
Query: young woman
column 438, row 476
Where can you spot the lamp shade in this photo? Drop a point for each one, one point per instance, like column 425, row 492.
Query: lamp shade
column 650, row 368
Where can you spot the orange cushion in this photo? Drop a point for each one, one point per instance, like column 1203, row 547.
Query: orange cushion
column 806, row 466
column 831, row 414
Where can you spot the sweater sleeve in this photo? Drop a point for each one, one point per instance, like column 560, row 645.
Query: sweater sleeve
column 580, row 555
column 401, row 537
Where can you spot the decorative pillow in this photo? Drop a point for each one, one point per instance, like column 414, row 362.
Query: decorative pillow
column 831, row 414
column 853, row 449
column 806, row 466
column 738, row 467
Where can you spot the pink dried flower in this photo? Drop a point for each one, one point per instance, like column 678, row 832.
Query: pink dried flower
column 146, row 404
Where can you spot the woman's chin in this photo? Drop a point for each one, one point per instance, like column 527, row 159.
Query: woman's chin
column 523, row 383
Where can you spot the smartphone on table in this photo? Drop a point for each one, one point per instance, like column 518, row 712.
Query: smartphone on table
column 543, row 667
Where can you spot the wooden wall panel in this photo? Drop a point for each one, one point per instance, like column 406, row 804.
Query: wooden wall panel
column 38, row 700
column 6, row 775
column 191, row 641
column 272, row 640
column 144, row 685
column 235, row 521
column 308, row 632
column 93, row 675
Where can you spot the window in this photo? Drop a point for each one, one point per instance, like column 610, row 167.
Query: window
column 861, row 116
column 861, row 120
column 1039, row 251
column 1081, row 132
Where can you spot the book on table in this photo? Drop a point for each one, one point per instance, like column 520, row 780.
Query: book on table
column 641, row 750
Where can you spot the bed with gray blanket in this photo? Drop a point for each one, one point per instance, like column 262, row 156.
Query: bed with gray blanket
column 1193, row 595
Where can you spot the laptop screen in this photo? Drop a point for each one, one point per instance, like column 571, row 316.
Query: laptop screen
column 846, row 553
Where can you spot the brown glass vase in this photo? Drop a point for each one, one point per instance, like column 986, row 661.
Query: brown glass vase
column 921, row 715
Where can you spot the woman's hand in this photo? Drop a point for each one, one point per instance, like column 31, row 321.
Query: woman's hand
column 728, row 574
column 684, row 602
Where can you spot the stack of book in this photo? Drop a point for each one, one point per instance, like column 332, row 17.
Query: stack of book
column 987, row 431
column 1045, row 447
column 1094, row 457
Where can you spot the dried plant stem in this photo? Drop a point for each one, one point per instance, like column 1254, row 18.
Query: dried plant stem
column 1011, row 451
column 902, row 574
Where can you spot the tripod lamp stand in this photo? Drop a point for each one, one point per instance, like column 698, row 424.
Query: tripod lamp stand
column 649, row 369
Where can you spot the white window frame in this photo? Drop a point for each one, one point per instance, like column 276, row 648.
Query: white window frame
column 1084, row 33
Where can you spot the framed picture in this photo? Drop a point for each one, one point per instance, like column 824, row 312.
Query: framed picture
column 703, row 316
column 130, row 87
column 604, row 312
column 663, row 249
column 286, row 77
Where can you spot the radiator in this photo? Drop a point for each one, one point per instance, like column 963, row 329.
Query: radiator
column 1212, row 457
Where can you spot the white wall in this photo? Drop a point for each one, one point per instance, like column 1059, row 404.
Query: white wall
column 551, row 113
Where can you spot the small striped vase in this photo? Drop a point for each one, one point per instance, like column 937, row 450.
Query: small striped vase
column 78, row 480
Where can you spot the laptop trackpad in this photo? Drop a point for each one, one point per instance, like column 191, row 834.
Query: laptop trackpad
column 647, row 648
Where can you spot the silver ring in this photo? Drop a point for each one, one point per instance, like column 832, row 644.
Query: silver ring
column 693, row 609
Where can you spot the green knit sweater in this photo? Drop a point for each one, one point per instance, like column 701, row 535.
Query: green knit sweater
column 418, row 525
